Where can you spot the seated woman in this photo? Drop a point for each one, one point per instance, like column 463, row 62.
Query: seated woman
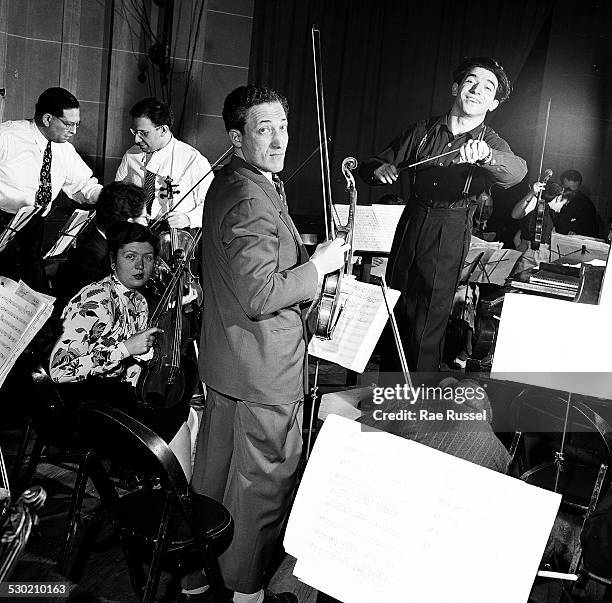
column 105, row 340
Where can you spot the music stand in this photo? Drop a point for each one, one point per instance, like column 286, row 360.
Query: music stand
column 18, row 222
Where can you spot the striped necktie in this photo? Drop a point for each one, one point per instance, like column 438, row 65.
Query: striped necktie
column 280, row 189
column 43, row 194
column 149, row 189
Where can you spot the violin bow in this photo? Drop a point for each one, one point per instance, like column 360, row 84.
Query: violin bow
column 222, row 158
column 324, row 155
column 304, row 163
column 544, row 141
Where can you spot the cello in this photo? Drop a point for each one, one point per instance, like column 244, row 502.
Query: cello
column 162, row 382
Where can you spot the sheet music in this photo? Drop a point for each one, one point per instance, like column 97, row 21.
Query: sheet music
column 388, row 216
column 21, row 218
column 496, row 269
column 378, row 517
column 574, row 359
column 368, row 234
column 359, row 326
column 23, row 312
column 374, row 225
column 71, row 230
column 570, row 248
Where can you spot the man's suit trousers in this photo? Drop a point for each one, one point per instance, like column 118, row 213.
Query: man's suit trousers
column 247, row 458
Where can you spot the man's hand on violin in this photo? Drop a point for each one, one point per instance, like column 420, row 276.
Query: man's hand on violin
column 538, row 187
column 330, row 256
column 177, row 219
column 386, row 173
column 474, row 151
column 141, row 342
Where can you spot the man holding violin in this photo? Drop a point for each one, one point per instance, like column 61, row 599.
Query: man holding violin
column 257, row 278
column 458, row 157
column 165, row 167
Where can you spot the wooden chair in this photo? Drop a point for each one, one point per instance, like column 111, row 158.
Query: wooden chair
column 563, row 447
column 56, row 441
column 169, row 525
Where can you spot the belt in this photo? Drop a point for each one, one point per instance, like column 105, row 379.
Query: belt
column 444, row 204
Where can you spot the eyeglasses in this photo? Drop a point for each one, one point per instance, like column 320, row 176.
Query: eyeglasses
column 69, row 124
column 144, row 133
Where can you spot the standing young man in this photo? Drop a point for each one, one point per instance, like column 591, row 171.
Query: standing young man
column 432, row 236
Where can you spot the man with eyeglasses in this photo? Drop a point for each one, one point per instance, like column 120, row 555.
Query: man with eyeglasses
column 157, row 156
column 36, row 162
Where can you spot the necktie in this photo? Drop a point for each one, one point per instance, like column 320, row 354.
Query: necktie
column 43, row 194
column 149, row 189
column 280, row 189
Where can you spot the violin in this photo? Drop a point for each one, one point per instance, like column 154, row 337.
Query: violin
column 540, row 211
column 329, row 308
column 174, row 245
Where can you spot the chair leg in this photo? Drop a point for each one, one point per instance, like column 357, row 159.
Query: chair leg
column 90, row 535
column 155, row 568
column 74, row 515
column 215, row 579
column 35, row 457
column 577, row 555
column 109, row 496
column 23, row 447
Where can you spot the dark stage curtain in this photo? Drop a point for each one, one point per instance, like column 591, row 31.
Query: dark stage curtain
column 386, row 64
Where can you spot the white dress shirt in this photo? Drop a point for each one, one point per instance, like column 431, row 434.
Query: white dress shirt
column 184, row 164
column 22, row 146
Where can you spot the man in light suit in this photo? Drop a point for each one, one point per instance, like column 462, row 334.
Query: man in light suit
column 256, row 279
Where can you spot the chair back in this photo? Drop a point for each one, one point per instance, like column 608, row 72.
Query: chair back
column 542, row 413
column 116, row 436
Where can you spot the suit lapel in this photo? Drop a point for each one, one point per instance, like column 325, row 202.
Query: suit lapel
column 248, row 171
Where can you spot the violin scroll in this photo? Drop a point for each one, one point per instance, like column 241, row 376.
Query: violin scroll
column 349, row 164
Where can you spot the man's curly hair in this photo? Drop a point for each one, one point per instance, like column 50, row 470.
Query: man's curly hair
column 119, row 201
column 239, row 101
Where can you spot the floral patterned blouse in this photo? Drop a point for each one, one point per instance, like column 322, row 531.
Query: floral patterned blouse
column 95, row 323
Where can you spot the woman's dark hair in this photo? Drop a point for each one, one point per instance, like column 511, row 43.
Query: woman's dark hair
column 54, row 101
column 119, row 234
column 119, row 201
column 157, row 111
column 239, row 101
column 504, row 87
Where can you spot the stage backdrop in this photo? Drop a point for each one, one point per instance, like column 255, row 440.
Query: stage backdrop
column 388, row 63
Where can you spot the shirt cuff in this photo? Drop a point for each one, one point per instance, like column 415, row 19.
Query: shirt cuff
column 120, row 352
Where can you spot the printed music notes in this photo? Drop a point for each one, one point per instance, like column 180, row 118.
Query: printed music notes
column 377, row 515
column 359, row 326
column 23, row 312
column 374, row 225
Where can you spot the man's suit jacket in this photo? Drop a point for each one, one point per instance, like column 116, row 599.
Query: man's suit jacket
column 255, row 276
